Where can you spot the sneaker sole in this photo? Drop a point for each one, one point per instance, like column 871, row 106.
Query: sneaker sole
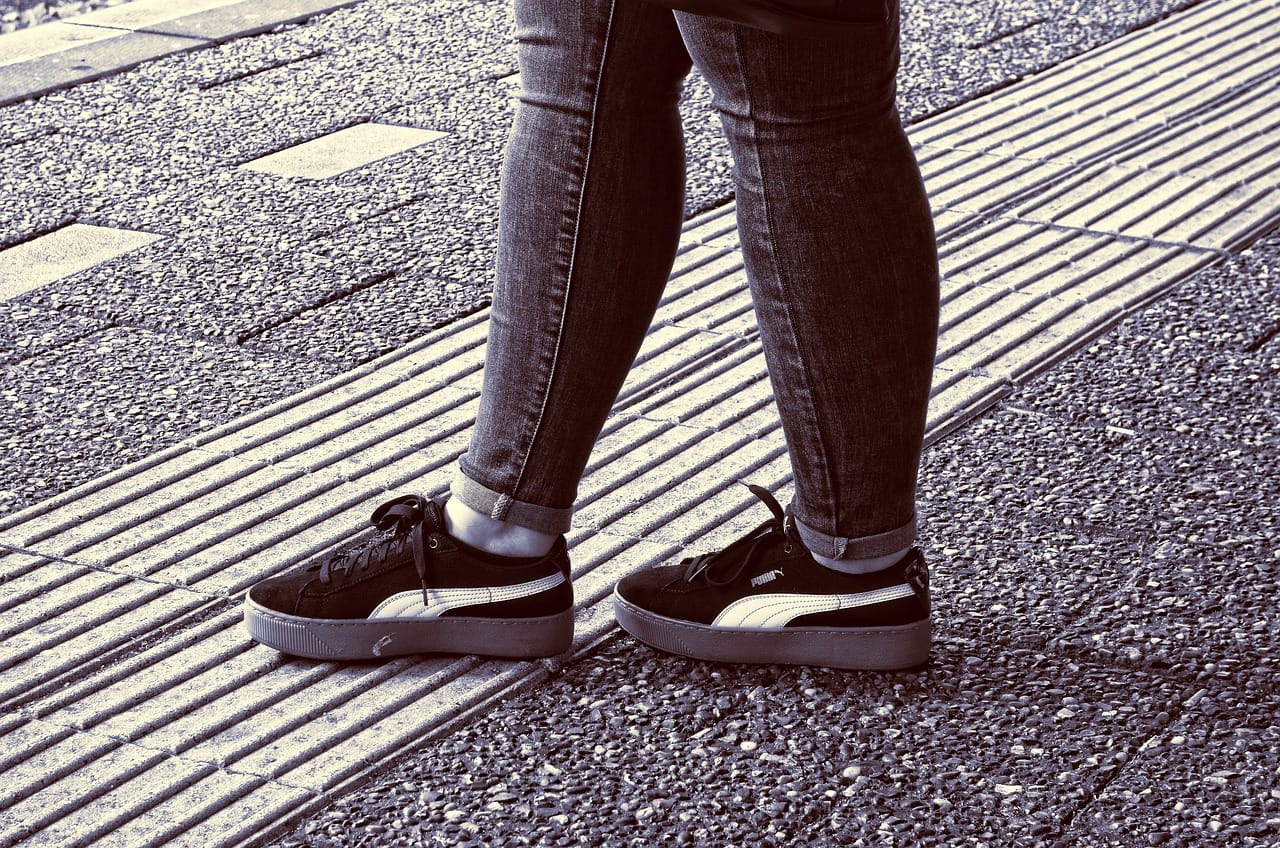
column 863, row 648
column 361, row 639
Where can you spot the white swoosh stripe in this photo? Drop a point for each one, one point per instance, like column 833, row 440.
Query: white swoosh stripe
column 778, row 610
column 439, row 601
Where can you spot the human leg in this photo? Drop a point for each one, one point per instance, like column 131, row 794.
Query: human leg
column 838, row 239
column 839, row 246
column 590, row 218
column 592, row 204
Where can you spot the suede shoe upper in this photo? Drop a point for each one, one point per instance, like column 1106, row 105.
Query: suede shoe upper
column 768, row 579
column 418, row 561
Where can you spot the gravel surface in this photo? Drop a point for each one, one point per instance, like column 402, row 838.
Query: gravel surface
column 1104, row 671
column 120, row 394
column 631, row 748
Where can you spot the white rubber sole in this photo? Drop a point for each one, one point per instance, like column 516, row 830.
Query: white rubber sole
column 361, row 639
column 863, row 648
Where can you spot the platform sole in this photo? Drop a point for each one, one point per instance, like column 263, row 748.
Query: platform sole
column 862, row 648
column 362, row 639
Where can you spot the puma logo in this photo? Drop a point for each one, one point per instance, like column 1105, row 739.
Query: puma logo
column 767, row 577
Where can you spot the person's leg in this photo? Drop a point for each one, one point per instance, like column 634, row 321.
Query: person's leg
column 839, row 244
column 838, row 241
column 592, row 202
column 590, row 220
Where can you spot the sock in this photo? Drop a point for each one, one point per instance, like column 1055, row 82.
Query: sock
column 862, row 566
column 482, row 533
column 496, row 559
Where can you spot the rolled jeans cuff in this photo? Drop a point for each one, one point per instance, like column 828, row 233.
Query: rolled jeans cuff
column 506, row 508
column 862, row 547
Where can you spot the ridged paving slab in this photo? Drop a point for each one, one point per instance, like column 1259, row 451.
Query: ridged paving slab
column 137, row 712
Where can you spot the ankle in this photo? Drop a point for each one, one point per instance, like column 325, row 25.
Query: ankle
column 492, row 536
column 862, row 566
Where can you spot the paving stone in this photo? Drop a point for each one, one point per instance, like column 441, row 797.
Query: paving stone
column 403, row 716
column 1153, row 489
column 37, row 817
column 1223, row 147
column 123, row 801
column 97, row 699
column 345, row 150
column 346, row 431
column 177, row 469
column 1148, row 204
column 600, row 559
column 734, row 392
column 296, row 524
column 17, row 567
column 61, row 644
column 58, row 765
column 186, row 700
column 147, row 14
column 483, row 109
column 241, row 821
column 78, row 588
column 1226, row 374
column 978, row 183
column 176, row 815
column 718, row 736
column 62, row 253
column 223, row 290
column 122, row 394
column 697, row 464
column 673, row 352
column 959, row 395
column 437, row 221
column 223, row 21
column 286, row 737
column 53, row 181
column 372, row 321
column 53, row 37
column 305, row 422
column 23, row 737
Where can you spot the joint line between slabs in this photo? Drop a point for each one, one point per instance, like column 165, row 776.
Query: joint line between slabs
column 6, row 548
column 98, row 568
column 1124, row 237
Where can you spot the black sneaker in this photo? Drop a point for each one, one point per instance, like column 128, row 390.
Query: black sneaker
column 764, row 599
column 418, row 590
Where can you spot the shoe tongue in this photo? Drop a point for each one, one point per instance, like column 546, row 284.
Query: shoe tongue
column 432, row 517
column 403, row 514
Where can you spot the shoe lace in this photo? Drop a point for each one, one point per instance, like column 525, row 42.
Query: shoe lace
column 403, row 519
column 725, row 566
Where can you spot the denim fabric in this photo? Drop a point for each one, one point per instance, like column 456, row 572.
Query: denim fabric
column 836, row 235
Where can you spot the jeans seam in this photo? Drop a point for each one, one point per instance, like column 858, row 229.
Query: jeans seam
column 778, row 270
column 573, row 256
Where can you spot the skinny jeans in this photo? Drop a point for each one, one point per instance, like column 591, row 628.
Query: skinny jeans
column 836, row 234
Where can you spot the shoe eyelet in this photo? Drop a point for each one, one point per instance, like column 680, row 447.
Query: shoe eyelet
column 433, row 543
column 787, row 548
